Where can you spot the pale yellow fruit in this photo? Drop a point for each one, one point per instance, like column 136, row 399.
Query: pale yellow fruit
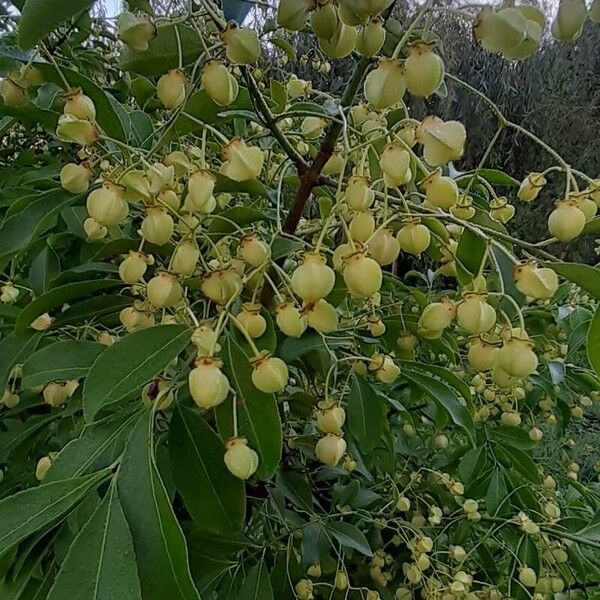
column 290, row 320
column 133, row 319
column 242, row 162
column 321, row 316
column 209, row 386
column 313, row 279
column 253, row 251
column 537, row 282
column 474, row 314
column 362, row 226
column 135, row 31
column 219, row 83
column 566, row 221
column 132, row 269
column 269, row 373
column 531, row 187
column 569, row 21
column 221, row 285
column 330, row 449
column 164, row 290
column 324, row 20
column 240, row 459
column 517, row 358
column 362, row 275
column 251, row 319
column 371, row 37
column 499, row 31
column 385, row 369
column 241, row 44
column 414, row 237
column 437, row 315
column 293, row 14
column 12, row 93
column 395, row 165
column 358, row 195
column 78, row 105
column 501, row 210
column 157, row 226
column 483, row 353
column 386, row 84
column 201, row 186
column 106, row 205
column 341, row 43
column 442, row 141
column 75, row 178
column 423, row 69
column 185, row 258
column 171, row 88
column 78, row 131
column 383, row 247
column 313, row 127
column 440, row 190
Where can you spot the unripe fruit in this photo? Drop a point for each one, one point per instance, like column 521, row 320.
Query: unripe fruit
column 321, row 316
column 8, row 293
column 179, row 161
column 55, row 394
column 75, row 178
column 330, row 417
column 185, row 258
column 242, row 162
column 482, row 354
column 106, row 205
column 157, row 226
column 383, row 247
column 240, row 460
column 395, row 165
column 340, row 254
column 385, row 369
column 221, row 285
column 43, row 465
column 341, row 43
column 517, row 358
column 313, row 279
column 423, row 69
column 269, row 373
column 349, row 15
column 510, row 419
column 440, row 190
column 437, row 315
column 304, row 589
column 171, row 88
column 324, row 20
column 251, row 320
column 531, row 187
column 358, row 195
column 313, row 127
column 585, row 204
column 385, row 85
column 253, row 251
column 501, row 210
column 12, row 93
column 158, row 393
column 534, row 25
column 330, row 449
column 293, row 14
column 500, row 31
column 79, row 105
column 164, row 290
column 535, row 434
column 474, row 314
column 367, row 7
column 134, row 319
column 135, row 31
column 527, row 577
column 132, row 269
column 78, row 131
column 566, row 221
column 341, row 580
column 442, row 141
column 371, row 37
column 208, row 384
column 362, row 226
column 219, row 83
column 9, row 399
column 298, row 87
column 407, row 342
column 241, row 44
column 376, row 326
column 290, row 320
column 569, row 21
column 334, row 165
column 362, row 275
column 537, row 282
column 201, row 185
column 414, row 237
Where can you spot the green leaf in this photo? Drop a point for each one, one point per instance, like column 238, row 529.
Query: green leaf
column 496, row 177
column 28, row 511
column 445, row 396
column 278, row 96
column 44, row 268
column 593, row 342
column 12, row 439
column 257, row 584
column 258, row 417
column 14, row 349
column 226, row 221
column 20, row 230
column 97, row 448
column 514, row 437
column 40, row 17
column 286, row 47
column 100, row 564
column 59, row 296
column 215, row 499
column 585, row 276
column 349, row 537
column 158, row 541
column 123, row 368
column 366, row 414
column 497, row 493
column 162, row 53
column 60, row 361
column 469, row 254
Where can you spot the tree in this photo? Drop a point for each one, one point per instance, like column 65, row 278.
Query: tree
column 264, row 340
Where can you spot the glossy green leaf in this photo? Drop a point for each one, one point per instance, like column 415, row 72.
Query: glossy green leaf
column 44, row 268
column 445, row 396
column 97, row 448
column 60, row 361
column 28, row 511
column 366, row 414
column 56, row 297
column 158, row 541
column 585, row 276
column 162, row 53
column 40, row 17
column 19, row 433
column 593, row 342
column 258, row 416
column 349, row 537
column 215, row 499
column 123, row 368
column 230, row 219
column 14, row 350
column 21, row 229
column 257, row 584
column 100, row 564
